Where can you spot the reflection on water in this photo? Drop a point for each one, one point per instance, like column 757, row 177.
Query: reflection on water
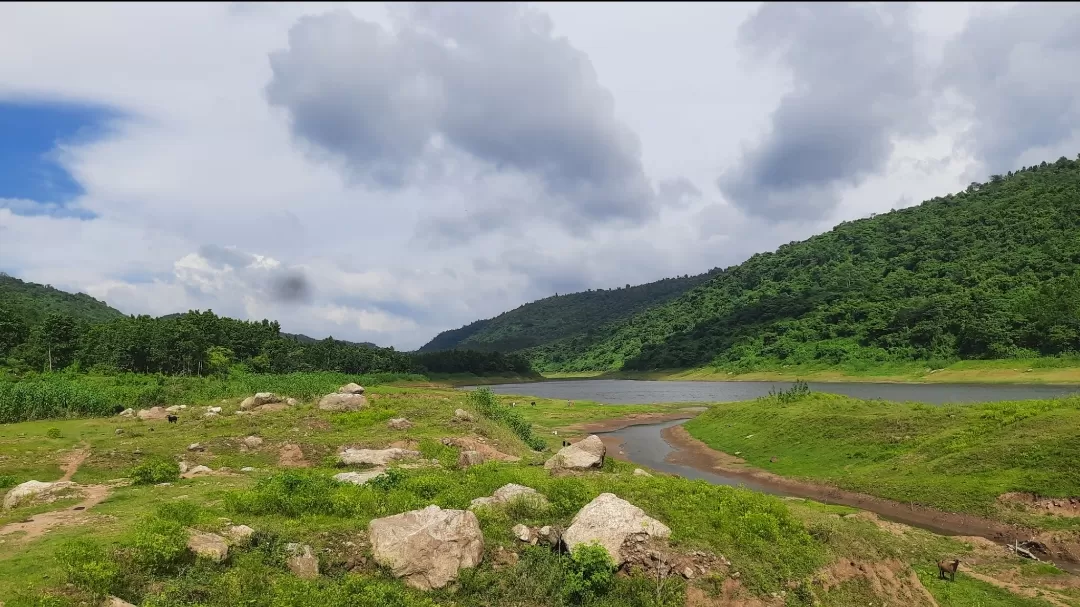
column 634, row 392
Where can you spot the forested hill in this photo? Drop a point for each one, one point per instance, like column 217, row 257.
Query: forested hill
column 991, row 272
column 32, row 302
column 560, row 316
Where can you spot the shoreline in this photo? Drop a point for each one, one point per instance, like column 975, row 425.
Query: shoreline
column 693, row 453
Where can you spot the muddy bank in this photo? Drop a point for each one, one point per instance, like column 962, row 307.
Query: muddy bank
column 636, row 419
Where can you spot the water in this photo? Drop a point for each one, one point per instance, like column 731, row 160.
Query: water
column 635, row 392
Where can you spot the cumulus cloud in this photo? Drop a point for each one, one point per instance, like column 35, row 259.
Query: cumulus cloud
column 1016, row 69
column 855, row 87
column 484, row 89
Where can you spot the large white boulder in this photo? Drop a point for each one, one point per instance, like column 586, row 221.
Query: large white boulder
column 586, row 453
column 152, row 414
column 374, row 457
column 342, row 402
column 508, row 493
column 35, row 491
column 351, row 388
column 608, row 520
column 427, row 547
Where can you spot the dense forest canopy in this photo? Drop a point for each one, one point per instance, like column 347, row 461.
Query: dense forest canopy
column 990, row 272
column 560, row 316
column 44, row 329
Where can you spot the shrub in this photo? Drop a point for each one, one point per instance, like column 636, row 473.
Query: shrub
column 159, row 544
column 185, row 512
column 590, row 575
column 6, row 481
column 53, row 433
column 484, row 401
column 155, row 470
column 87, row 565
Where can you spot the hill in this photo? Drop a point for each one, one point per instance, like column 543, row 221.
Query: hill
column 561, row 316
column 32, row 302
column 304, row 339
column 988, row 273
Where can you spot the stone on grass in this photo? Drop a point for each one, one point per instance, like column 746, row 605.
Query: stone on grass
column 196, row 447
column 303, row 563
column 374, row 457
column 584, row 454
column 358, row 478
column 463, row 415
column 240, row 535
column 197, row 471
column 640, row 472
column 112, row 601
column 399, row 423
column 252, row 442
column 127, row 413
column 342, row 402
column 510, row 492
column 35, row 491
column 173, row 409
column 524, row 534
column 351, row 388
column 608, row 520
column 247, row 469
column 209, row 546
column 427, row 547
column 469, row 458
column 152, row 414
column 260, row 399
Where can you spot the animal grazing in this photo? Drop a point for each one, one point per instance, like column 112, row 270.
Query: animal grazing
column 948, row 567
column 172, row 419
column 533, row 403
column 569, row 403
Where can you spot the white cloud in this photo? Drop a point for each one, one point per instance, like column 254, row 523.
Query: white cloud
column 204, row 197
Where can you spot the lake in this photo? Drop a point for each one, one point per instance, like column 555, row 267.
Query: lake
column 639, row 392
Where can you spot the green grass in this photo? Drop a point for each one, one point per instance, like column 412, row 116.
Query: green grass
column 967, row 591
column 954, row 457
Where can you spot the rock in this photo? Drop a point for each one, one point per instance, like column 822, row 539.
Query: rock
column 126, row 413
column 688, row 572
column 208, row 545
column 374, row 457
column 118, row 431
column 173, row 409
column 640, row 472
column 510, row 492
column 247, row 469
column 213, row 409
column 549, row 535
column 196, row 447
column 351, row 389
column 469, row 458
column 197, row 471
column 35, row 491
column 291, row 402
column 524, row 534
column 462, row 415
column 210, row 414
column 240, row 535
column 112, row 601
column 427, row 547
column 399, row 423
column 152, row 414
column 303, row 564
column 342, row 402
column 183, row 467
column 291, row 456
column 608, row 520
column 358, row 478
column 584, row 454
column 774, row 459
column 260, row 399
column 252, row 442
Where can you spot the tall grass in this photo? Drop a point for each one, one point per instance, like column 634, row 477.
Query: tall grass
column 60, row 395
column 484, row 401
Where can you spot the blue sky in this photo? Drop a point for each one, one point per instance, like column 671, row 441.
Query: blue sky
column 30, row 169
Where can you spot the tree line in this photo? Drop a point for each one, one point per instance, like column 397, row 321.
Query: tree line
column 203, row 343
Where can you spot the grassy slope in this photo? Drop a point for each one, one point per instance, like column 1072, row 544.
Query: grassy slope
column 958, row 458
column 769, row 541
column 33, row 302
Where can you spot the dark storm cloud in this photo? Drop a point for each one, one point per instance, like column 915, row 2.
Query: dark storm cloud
column 855, row 86
column 490, row 81
column 1019, row 71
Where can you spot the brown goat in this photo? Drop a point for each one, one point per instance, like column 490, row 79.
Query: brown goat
column 948, row 567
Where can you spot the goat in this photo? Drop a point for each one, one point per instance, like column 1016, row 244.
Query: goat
column 172, row 419
column 533, row 403
column 947, row 567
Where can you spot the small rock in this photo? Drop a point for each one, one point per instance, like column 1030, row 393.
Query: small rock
column 399, row 423
column 586, row 453
column 112, row 601
column 213, row 409
column 688, row 572
column 339, row 402
column 351, row 389
column 524, row 534
column 304, row 564
column 509, row 492
column 152, row 414
column 774, row 459
column 173, row 409
column 291, row 402
column 183, row 467
column 470, row 458
column 126, row 413
column 118, row 431
column 196, row 447
column 358, row 478
column 208, row 545
column 374, row 457
column 463, row 415
column 640, row 472
column 210, row 414
column 199, row 470
column 247, row 469
column 253, row 442
column 137, row 452
column 240, row 535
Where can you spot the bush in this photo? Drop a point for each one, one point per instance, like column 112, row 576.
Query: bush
column 53, row 433
column 7, row 481
column 484, row 401
column 155, row 470
column 87, row 565
column 159, row 544
column 590, row 575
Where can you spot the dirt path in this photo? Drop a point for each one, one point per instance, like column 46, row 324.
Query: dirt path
column 39, row 524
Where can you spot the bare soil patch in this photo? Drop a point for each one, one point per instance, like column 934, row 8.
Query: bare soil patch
column 290, row 456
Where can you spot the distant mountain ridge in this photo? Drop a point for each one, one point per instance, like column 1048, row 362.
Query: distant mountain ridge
column 562, row 316
column 32, row 302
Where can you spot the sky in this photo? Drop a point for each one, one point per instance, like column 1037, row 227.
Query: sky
column 385, row 172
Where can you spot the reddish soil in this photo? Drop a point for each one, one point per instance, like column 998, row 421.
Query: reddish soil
column 290, row 456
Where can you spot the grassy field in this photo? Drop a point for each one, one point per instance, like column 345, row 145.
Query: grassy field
column 1011, row 371
column 131, row 543
column 958, row 458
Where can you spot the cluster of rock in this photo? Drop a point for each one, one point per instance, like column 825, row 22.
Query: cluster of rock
column 266, row 401
column 582, row 455
column 349, row 397
column 37, row 492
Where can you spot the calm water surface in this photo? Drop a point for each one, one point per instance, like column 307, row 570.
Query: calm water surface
column 635, row 392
